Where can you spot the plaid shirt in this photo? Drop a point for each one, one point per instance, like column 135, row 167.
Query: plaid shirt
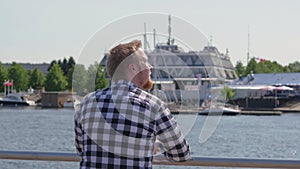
column 117, row 127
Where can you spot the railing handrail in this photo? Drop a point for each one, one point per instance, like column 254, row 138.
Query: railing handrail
column 160, row 160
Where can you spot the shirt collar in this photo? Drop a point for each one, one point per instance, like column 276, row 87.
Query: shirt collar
column 123, row 82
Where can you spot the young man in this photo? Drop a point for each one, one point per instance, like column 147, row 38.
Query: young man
column 117, row 127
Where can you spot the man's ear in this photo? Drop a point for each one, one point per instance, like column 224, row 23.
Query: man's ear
column 132, row 69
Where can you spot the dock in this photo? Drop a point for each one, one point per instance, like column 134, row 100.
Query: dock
column 246, row 112
column 261, row 112
column 290, row 108
column 255, row 112
column 54, row 99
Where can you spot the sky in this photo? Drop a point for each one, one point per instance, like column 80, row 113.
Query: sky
column 40, row 31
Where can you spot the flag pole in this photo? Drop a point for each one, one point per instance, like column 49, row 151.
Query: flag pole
column 4, row 88
column 8, row 88
column 12, row 86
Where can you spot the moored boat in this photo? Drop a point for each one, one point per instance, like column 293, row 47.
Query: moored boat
column 220, row 110
column 15, row 100
column 71, row 102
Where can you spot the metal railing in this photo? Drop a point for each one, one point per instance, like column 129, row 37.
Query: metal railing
column 160, row 160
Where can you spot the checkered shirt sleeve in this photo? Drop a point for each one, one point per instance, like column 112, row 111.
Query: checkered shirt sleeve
column 169, row 135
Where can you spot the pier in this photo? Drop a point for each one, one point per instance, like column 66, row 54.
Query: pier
column 255, row 112
column 261, row 113
column 55, row 99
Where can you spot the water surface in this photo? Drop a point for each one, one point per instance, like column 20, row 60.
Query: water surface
column 51, row 130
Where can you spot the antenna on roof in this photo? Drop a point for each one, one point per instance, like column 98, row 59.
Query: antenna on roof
column 145, row 37
column 248, row 52
column 169, row 30
column 146, row 44
column 211, row 41
column 154, row 38
column 227, row 52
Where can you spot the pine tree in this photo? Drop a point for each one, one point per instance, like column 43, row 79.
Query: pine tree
column 55, row 79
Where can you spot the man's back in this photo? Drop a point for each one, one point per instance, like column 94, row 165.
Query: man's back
column 117, row 127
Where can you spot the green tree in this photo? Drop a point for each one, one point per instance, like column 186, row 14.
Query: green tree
column 64, row 66
column 227, row 93
column 262, row 67
column 51, row 64
column 29, row 72
column 70, row 77
column 19, row 75
column 96, row 77
column 70, row 66
column 71, row 62
column 239, row 68
column 250, row 67
column 3, row 76
column 37, row 79
column 79, row 79
column 268, row 67
column 59, row 63
column 100, row 81
column 55, row 79
column 276, row 67
column 293, row 67
column 92, row 70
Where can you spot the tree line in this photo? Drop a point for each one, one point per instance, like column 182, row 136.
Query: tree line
column 67, row 75
column 265, row 66
column 62, row 75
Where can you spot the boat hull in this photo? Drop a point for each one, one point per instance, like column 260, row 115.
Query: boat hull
column 13, row 103
column 219, row 112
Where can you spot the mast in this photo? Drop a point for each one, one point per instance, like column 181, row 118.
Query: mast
column 154, row 38
column 145, row 37
column 169, row 30
column 248, row 52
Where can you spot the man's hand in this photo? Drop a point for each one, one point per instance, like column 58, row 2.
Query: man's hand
column 157, row 148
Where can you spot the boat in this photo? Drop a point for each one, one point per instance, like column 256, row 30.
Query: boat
column 16, row 100
column 71, row 102
column 221, row 109
column 186, row 76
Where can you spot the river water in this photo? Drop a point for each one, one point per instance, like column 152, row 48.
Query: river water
column 34, row 129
